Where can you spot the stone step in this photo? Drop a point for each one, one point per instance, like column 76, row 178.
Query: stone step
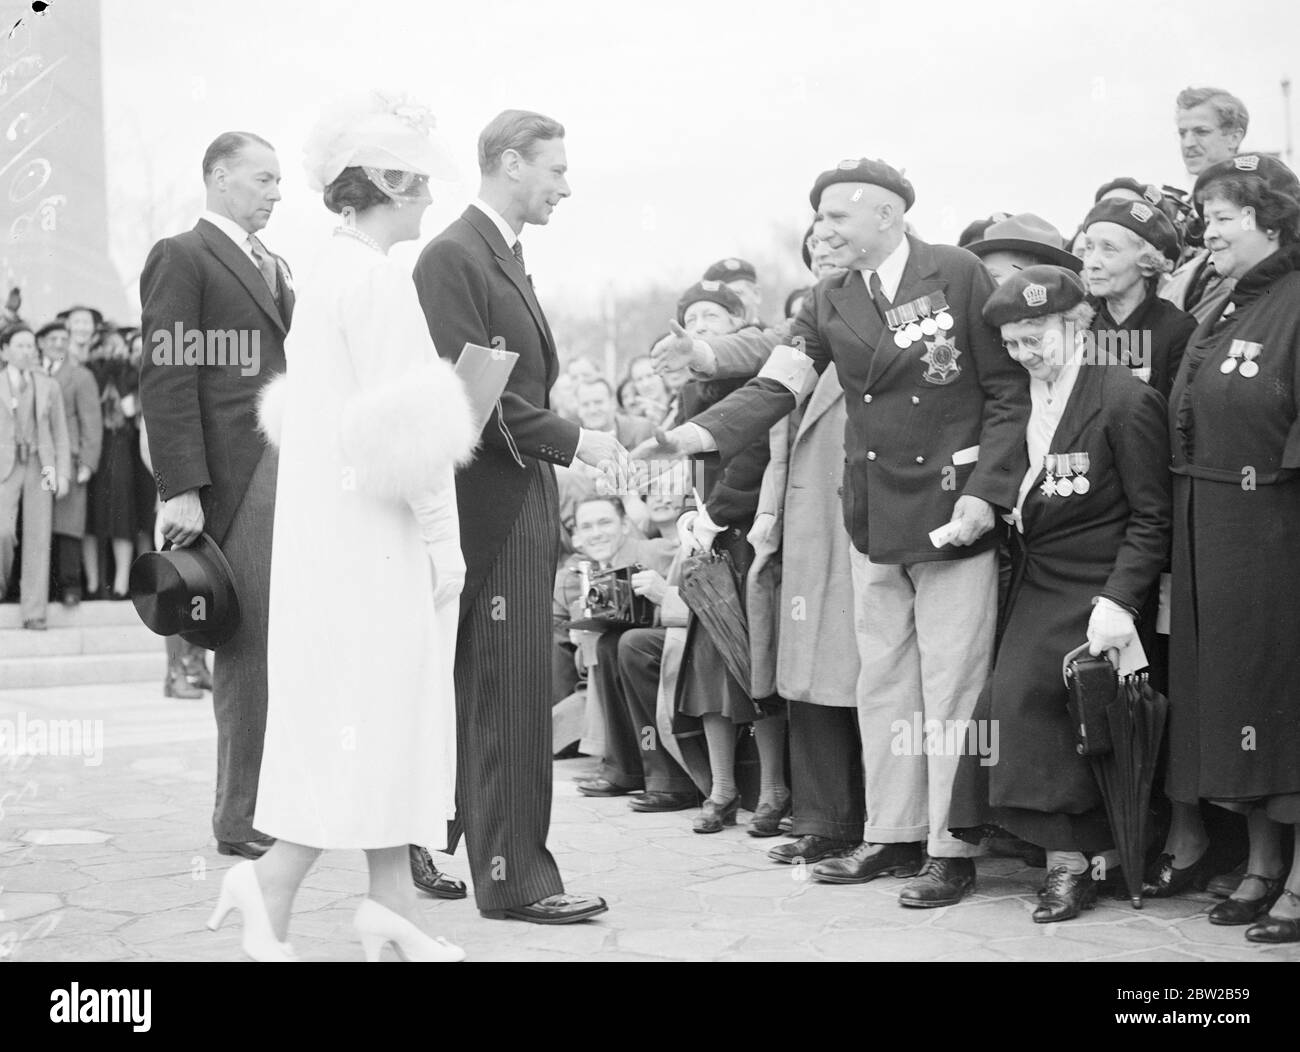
column 83, row 615
column 78, row 669
column 94, row 639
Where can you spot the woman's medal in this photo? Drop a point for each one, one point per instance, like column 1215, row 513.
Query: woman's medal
column 1249, row 367
column 1048, row 487
column 1064, row 484
column 1081, row 462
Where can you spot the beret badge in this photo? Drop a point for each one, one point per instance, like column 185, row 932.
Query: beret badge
column 1246, row 163
column 1140, row 212
column 1035, row 295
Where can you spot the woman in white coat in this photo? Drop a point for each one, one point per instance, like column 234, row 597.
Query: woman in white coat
column 366, row 568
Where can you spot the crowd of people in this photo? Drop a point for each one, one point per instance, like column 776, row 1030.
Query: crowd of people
column 941, row 471
column 77, row 498
column 1097, row 539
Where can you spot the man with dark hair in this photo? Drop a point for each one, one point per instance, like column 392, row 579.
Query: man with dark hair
column 214, row 470
column 474, row 288
column 598, row 411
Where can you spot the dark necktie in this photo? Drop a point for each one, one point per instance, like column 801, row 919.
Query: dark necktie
column 878, row 292
column 266, row 265
column 518, row 250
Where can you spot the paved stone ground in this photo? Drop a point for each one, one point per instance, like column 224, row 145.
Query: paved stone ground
column 114, row 861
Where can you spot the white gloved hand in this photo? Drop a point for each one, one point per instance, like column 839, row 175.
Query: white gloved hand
column 761, row 530
column 448, row 567
column 1109, row 628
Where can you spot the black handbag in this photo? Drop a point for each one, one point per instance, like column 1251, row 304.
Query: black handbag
column 1090, row 683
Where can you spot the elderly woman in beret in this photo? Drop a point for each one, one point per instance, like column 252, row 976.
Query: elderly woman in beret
column 1091, row 535
column 1127, row 246
column 1234, row 732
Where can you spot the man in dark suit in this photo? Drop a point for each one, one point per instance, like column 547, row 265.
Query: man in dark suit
column 216, row 308
column 934, row 438
column 474, row 288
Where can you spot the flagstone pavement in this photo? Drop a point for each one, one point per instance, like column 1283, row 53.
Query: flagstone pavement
column 110, row 858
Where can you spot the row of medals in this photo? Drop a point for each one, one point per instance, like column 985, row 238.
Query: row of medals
column 1066, row 474
column 924, row 316
column 1245, row 353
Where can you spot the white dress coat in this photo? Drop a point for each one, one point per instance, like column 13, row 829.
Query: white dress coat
column 360, row 747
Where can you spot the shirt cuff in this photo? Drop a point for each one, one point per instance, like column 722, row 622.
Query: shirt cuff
column 707, row 443
column 709, row 361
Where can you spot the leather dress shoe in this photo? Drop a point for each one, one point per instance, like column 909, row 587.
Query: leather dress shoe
column 941, row 882
column 810, row 848
column 652, row 802
column 35, row 624
column 1164, row 880
column 555, row 909
column 767, row 819
column 714, row 816
column 1065, row 895
column 253, row 849
column 1247, row 911
column 604, row 787
column 1277, row 929
column 869, row 861
column 1225, row 884
column 431, row 880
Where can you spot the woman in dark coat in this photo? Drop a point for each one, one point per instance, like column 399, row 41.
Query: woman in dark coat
column 1234, row 727
column 112, row 498
column 1092, row 533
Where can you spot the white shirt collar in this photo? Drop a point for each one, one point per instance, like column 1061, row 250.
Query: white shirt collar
column 506, row 231
column 231, row 229
column 14, row 376
column 891, row 270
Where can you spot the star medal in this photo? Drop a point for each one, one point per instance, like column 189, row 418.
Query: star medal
column 1249, row 367
column 1064, row 484
column 1081, row 462
column 1048, row 487
column 941, row 359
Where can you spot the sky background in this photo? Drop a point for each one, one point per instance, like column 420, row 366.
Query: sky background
column 694, row 129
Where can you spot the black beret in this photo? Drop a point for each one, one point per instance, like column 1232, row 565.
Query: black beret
column 731, row 269
column 1149, row 191
column 1276, row 175
column 1033, row 293
column 713, row 292
column 51, row 326
column 877, row 173
column 1148, row 222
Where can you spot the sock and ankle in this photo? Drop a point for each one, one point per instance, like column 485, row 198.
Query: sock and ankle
column 720, row 734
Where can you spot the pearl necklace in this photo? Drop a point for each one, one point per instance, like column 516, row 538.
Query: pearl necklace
column 365, row 239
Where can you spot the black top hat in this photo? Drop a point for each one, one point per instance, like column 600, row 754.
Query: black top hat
column 188, row 592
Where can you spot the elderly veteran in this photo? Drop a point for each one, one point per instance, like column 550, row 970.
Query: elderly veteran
column 1020, row 241
column 1128, row 245
column 1235, row 438
column 1092, row 534
column 934, row 441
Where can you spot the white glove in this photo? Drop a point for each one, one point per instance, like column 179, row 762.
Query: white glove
column 448, row 571
column 697, row 531
column 1109, row 627
column 761, row 530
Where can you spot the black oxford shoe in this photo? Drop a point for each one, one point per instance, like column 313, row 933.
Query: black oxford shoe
column 941, row 882
column 810, row 848
column 1065, row 895
column 431, row 880
column 555, row 909
column 869, row 861
column 253, row 849
column 656, row 801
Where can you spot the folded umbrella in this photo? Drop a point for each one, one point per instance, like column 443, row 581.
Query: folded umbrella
column 709, row 587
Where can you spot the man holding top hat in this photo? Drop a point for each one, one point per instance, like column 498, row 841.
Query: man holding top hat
column 214, row 469
column 934, row 441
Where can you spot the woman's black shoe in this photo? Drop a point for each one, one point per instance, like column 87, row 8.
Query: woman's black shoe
column 1164, row 880
column 1277, row 929
column 1247, row 911
column 1065, row 895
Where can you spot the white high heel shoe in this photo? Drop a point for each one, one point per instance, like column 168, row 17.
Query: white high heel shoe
column 240, row 889
column 377, row 925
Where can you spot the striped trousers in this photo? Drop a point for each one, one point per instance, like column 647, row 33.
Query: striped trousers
column 503, row 710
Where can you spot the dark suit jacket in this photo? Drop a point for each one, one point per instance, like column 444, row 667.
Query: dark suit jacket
column 202, row 419
column 473, row 290
column 903, row 430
